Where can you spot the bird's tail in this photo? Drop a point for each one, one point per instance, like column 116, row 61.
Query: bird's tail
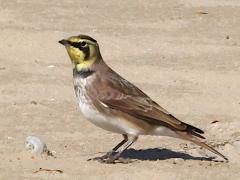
column 192, row 136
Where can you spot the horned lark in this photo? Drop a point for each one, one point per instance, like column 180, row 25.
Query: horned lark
column 114, row 104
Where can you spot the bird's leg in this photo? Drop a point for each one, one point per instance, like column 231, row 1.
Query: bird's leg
column 125, row 139
column 112, row 158
column 108, row 154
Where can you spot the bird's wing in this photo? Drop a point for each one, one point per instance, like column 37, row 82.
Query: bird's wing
column 119, row 94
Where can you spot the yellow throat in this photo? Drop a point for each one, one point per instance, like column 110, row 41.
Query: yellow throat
column 82, row 50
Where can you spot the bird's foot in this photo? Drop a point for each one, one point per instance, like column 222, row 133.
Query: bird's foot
column 101, row 158
column 109, row 158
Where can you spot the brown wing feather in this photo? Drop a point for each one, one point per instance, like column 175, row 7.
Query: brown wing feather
column 119, row 94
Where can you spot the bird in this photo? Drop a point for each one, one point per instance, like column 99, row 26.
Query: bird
column 114, row 104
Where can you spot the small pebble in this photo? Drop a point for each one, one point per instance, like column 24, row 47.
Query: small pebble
column 51, row 66
column 10, row 138
column 34, row 102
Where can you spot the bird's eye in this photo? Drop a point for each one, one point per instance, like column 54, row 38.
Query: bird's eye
column 83, row 43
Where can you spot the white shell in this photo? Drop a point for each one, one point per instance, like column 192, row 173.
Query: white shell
column 35, row 145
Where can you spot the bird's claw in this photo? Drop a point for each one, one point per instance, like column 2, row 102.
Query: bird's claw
column 101, row 158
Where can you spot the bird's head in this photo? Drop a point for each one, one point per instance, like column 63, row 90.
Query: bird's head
column 83, row 51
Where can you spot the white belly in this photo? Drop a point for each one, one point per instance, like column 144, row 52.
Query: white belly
column 113, row 124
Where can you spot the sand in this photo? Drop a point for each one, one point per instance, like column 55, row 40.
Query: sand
column 184, row 54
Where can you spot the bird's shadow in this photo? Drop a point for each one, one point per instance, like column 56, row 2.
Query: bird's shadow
column 159, row 154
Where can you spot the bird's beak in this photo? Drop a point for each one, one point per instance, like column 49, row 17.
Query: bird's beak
column 64, row 42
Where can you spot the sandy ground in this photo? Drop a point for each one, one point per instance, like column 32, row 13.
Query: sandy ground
column 184, row 54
